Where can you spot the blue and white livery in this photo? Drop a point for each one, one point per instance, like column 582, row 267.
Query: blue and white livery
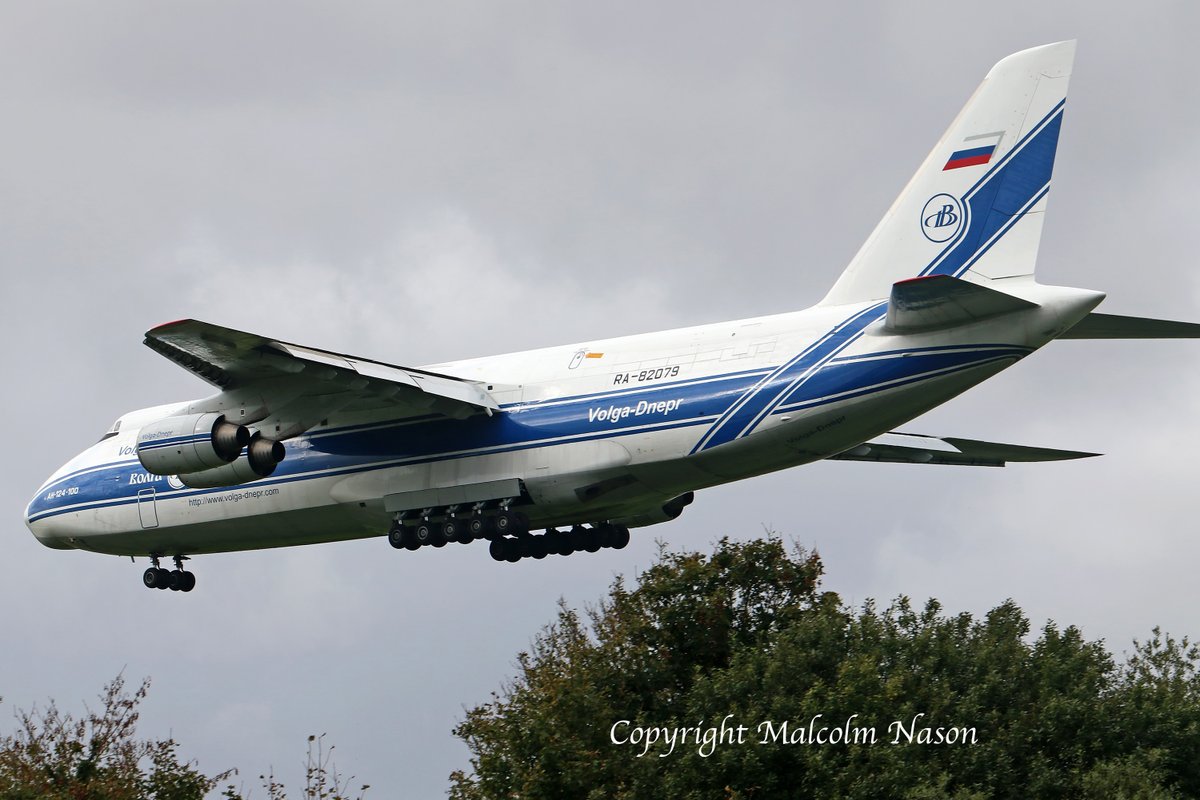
column 301, row 445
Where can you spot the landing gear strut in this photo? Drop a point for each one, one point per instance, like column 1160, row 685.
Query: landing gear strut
column 177, row 580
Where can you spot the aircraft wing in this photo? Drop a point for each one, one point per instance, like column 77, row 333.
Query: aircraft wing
column 298, row 386
column 909, row 448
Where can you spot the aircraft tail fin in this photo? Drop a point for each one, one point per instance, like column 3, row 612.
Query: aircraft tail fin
column 974, row 208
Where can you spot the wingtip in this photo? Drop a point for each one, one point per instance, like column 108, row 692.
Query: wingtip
column 165, row 325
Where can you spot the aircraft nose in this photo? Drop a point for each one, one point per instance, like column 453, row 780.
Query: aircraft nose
column 40, row 517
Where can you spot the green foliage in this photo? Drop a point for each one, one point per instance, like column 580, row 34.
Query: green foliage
column 54, row 756
column 95, row 757
column 746, row 636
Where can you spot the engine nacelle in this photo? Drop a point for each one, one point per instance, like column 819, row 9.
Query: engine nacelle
column 262, row 456
column 664, row 513
column 190, row 443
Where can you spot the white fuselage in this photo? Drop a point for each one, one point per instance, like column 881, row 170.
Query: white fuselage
column 606, row 430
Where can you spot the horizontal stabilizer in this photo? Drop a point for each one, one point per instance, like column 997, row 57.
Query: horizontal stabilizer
column 1111, row 326
column 908, row 448
column 940, row 301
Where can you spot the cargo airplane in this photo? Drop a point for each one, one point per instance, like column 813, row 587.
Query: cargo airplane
column 583, row 442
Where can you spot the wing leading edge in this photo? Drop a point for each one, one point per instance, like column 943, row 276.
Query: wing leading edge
column 299, row 385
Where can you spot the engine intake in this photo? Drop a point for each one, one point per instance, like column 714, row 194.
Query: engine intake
column 190, row 443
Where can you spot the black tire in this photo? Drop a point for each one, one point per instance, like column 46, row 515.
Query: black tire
column 538, row 547
column 150, row 578
column 592, row 540
column 164, row 579
column 563, row 546
column 424, row 533
column 189, row 582
column 437, row 536
column 620, row 537
column 175, row 581
column 476, row 527
column 409, row 539
column 605, row 534
column 579, row 537
column 396, row 536
column 453, row 530
column 514, row 550
column 504, row 523
column 498, row 549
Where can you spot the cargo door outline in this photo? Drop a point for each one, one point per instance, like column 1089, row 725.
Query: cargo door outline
column 147, row 510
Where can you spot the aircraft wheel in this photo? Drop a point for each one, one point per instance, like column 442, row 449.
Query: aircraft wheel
column 163, row 581
column 507, row 523
column 498, row 549
column 554, row 538
column 150, row 578
column 514, row 550
column 408, row 538
column 424, row 533
column 437, row 535
column 579, row 537
column 478, row 526
column 538, row 547
column 187, row 581
column 591, row 541
column 620, row 537
column 396, row 536
column 605, row 534
column 453, row 531
column 175, row 581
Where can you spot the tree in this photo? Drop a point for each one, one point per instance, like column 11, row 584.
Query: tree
column 746, row 637
column 54, row 756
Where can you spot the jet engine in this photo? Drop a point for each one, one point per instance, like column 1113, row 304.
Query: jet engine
column 262, row 456
column 190, row 443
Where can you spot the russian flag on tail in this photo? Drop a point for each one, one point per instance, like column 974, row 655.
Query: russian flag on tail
column 974, row 150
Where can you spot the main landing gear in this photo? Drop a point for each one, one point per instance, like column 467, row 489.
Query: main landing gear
column 462, row 526
column 562, row 543
column 508, row 531
column 177, row 580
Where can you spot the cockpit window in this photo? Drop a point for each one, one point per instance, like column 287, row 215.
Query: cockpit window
column 113, row 431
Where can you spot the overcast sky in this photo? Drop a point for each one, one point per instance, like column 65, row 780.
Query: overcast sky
column 418, row 186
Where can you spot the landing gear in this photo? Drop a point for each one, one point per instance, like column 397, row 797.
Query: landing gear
column 177, row 580
column 556, row 542
column 507, row 530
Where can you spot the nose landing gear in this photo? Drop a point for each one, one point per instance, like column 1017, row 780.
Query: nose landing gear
column 177, row 580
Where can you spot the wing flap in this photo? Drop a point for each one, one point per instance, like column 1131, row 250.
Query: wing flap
column 908, row 448
column 1113, row 326
column 932, row 302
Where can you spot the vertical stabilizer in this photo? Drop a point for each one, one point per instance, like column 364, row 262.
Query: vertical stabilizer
column 974, row 209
